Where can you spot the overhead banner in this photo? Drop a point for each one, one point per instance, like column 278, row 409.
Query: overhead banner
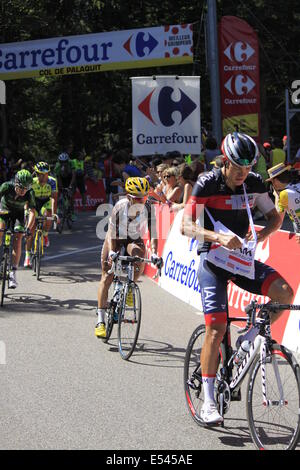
column 239, row 77
column 166, row 115
column 145, row 47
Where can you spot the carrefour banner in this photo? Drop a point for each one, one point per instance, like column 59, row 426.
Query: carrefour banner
column 166, row 115
column 239, row 76
column 145, row 47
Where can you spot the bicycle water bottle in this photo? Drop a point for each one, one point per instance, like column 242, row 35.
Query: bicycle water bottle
column 241, row 353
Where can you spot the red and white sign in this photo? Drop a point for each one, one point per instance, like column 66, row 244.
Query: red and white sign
column 239, row 76
column 181, row 264
column 95, row 195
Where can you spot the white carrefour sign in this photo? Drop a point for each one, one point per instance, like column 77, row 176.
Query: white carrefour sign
column 179, row 275
column 166, row 115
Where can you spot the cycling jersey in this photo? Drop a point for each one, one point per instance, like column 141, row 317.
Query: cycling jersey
column 230, row 209
column 14, row 205
column 63, row 169
column 78, row 166
column 43, row 192
column 225, row 205
column 10, row 202
column 289, row 200
column 125, row 222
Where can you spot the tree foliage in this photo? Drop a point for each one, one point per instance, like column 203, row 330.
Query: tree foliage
column 94, row 110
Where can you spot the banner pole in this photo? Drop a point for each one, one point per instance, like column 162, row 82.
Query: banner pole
column 213, row 66
column 287, row 110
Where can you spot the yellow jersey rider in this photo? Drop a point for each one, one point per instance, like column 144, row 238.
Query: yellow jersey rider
column 287, row 194
column 45, row 191
column 120, row 234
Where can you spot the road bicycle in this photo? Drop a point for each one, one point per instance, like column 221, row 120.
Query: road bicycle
column 37, row 250
column 64, row 210
column 126, row 314
column 273, row 388
column 6, row 261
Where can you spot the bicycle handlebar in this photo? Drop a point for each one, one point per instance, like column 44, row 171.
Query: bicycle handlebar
column 250, row 310
column 133, row 259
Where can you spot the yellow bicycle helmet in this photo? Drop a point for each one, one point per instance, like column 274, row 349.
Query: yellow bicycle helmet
column 42, row 167
column 137, row 187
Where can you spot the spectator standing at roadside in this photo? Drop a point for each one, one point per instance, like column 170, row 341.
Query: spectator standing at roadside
column 78, row 167
column 211, row 151
column 185, row 179
column 287, row 195
column 261, row 165
column 268, row 151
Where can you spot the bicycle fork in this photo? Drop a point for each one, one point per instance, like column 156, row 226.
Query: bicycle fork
column 263, row 356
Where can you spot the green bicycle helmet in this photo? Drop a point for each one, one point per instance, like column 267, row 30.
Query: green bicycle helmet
column 42, row 167
column 23, row 179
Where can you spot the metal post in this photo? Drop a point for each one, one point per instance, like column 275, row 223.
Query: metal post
column 213, row 66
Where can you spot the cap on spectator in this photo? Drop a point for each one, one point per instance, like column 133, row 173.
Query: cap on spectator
column 277, row 170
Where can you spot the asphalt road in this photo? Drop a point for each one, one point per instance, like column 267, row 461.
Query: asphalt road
column 62, row 388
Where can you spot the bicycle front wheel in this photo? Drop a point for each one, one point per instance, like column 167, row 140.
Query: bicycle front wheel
column 109, row 322
column 3, row 277
column 192, row 375
column 273, row 416
column 38, row 258
column 129, row 321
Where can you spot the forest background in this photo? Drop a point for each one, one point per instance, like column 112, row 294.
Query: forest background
column 94, row 110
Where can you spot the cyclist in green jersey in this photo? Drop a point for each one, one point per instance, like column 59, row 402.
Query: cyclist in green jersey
column 15, row 195
column 45, row 191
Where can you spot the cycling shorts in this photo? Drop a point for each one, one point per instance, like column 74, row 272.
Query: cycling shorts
column 139, row 243
column 213, row 283
column 80, row 184
column 18, row 219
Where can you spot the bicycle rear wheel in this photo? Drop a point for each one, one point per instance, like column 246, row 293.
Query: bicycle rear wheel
column 3, row 277
column 275, row 425
column 192, row 376
column 129, row 322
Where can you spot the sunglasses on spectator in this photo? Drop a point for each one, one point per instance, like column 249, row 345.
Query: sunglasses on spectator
column 168, row 176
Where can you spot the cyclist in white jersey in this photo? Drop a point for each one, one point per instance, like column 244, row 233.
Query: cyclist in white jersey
column 128, row 224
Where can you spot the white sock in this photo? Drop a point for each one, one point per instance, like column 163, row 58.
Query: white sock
column 101, row 315
column 208, row 383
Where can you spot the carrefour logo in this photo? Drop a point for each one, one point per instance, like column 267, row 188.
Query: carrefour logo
column 239, row 52
column 240, row 85
column 139, row 43
column 166, row 106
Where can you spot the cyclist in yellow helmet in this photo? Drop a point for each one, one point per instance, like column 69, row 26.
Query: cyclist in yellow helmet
column 128, row 224
column 45, row 191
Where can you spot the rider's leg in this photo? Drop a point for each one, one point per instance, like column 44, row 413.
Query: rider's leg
column 2, row 227
column 280, row 291
column 103, row 288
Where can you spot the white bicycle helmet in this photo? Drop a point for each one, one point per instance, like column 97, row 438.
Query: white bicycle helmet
column 63, row 157
column 240, row 149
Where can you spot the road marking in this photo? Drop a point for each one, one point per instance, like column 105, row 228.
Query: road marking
column 74, row 252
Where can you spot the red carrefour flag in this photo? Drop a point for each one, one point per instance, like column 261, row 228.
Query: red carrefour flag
column 239, row 77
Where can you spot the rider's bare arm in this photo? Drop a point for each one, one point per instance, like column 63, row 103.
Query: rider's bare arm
column 192, row 230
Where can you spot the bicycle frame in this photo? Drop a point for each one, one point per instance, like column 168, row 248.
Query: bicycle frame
column 262, row 342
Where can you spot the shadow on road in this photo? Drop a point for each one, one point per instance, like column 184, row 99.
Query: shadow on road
column 41, row 303
column 149, row 352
